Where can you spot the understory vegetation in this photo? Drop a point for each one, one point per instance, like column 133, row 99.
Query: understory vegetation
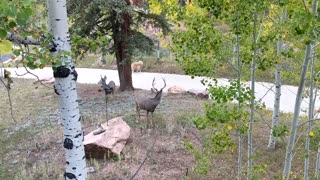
column 32, row 147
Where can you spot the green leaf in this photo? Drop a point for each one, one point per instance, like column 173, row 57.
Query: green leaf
column 5, row 47
column 12, row 24
column 26, row 2
column 3, row 34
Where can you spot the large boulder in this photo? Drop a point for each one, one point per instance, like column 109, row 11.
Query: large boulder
column 199, row 93
column 110, row 138
column 176, row 89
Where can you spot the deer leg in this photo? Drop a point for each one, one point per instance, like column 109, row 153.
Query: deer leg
column 152, row 123
column 147, row 119
column 138, row 114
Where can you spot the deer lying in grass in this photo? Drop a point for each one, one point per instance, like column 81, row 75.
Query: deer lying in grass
column 108, row 88
column 149, row 104
column 136, row 66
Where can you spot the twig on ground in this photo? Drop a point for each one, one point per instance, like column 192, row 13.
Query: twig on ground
column 146, row 157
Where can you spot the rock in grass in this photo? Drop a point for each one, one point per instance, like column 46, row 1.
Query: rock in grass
column 199, row 93
column 110, row 138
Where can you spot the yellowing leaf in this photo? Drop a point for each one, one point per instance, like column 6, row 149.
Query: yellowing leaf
column 8, row 73
column 5, row 47
column 229, row 127
column 311, row 133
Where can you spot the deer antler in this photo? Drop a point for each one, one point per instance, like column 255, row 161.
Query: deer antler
column 153, row 83
column 165, row 84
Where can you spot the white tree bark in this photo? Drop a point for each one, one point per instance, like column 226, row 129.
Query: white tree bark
column 253, row 80
column 29, row 40
column 312, row 100
column 310, row 118
column 65, row 88
column 276, row 107
column 240, row 143
column 317, row 168
column 294, row 124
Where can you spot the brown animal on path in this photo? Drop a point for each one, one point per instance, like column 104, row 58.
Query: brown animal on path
column 136, row 66
column 149, row 104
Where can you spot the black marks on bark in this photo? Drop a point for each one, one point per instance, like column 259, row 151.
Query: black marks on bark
column 78, row 135
column 73, row 116
column 57, row 19
column 55, row 90
column 74, row 73
column 80, row 118
column 67, row 162
column 74, row 168
column 68, row 144
column 69, row 175
column 53, row 47
column 61, row 72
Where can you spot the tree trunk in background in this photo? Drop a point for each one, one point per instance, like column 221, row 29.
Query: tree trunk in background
column 276, row 106
column 317, row 168
column 65, row 88
column 312, row 100
column 294, row 124
column 121, row 37
column 252, row 101
column 310, row 119
column 240, row 138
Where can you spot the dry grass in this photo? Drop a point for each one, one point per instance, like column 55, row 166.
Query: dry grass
column 32, row 148
column 165, row 65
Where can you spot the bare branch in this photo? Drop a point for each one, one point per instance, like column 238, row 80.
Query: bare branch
column 38, row 79
column 9, row 97
column 147, row 155
column 23, row 40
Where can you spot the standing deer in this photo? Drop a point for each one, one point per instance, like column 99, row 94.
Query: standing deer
column 149, row 104
column 108, row 88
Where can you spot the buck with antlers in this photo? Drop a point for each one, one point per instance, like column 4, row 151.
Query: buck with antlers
column 149, row 104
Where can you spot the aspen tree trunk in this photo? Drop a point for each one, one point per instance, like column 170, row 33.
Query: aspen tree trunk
column 253, row 73
column 310, row 118
column 312, row 99
column 240, row 133
column 65, row 88
column 276, row 107
column 317, row 168
column 294, row 124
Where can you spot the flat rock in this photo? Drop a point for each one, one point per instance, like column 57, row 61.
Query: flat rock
column 176, row 89
column 199, row 93
column 108, row 139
